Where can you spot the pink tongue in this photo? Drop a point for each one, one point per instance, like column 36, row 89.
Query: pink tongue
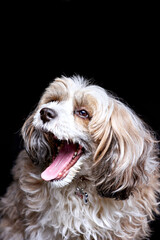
column 59, row 163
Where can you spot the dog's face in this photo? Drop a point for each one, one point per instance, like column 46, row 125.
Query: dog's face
column 57, row 135
column 79, row 129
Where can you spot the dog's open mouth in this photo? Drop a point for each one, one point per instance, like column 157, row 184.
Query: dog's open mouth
column 65, row 155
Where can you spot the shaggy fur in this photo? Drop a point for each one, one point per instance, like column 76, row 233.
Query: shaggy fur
column 118, row 169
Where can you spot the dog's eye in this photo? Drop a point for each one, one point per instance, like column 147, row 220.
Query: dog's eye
column 82, row 113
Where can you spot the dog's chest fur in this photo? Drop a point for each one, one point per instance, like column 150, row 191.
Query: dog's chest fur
column 60, row 212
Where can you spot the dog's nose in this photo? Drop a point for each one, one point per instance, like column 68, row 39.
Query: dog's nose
column 47, row 114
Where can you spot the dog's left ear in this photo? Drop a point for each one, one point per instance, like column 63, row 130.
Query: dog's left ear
column 125, row 150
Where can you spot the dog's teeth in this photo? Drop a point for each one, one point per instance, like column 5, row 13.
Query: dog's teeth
column 60, row 174
column 75, row 154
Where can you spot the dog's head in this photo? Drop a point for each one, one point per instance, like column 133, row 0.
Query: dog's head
column 79, row 129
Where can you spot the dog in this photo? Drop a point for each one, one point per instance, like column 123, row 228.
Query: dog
column 89, row 171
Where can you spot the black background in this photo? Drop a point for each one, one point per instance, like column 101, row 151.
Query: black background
column 115, row 45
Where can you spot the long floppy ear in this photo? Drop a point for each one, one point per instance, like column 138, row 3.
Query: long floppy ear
column 125, row 152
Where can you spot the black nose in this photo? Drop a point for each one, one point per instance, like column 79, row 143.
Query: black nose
column 47, row 114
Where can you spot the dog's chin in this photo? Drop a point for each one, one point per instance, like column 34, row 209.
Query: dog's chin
column 66, row 162
column 71, row 175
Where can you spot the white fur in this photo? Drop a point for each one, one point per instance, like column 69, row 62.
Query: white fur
column 69, row 216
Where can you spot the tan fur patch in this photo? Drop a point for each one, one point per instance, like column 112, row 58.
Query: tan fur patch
column 57, row 91
column 86, row 102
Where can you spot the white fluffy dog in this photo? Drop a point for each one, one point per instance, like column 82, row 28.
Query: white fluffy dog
column 89, row 169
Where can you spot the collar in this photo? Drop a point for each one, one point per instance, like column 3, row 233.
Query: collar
column 80, row 189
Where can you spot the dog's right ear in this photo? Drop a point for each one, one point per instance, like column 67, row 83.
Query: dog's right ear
column 35, row 142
